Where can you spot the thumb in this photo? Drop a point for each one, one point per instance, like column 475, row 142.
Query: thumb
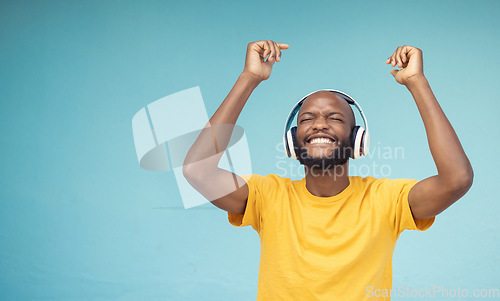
column 394, row 72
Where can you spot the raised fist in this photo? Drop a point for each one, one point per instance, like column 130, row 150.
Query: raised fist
column 257, row 52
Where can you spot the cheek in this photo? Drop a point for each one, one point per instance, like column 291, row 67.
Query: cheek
column 299, row 135
column 344, row 132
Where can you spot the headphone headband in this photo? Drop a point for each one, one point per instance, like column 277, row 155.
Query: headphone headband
column 296, row 108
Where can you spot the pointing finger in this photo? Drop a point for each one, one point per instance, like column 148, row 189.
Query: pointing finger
column 283, row 46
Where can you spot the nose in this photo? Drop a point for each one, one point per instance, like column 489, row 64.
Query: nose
column 320, row 124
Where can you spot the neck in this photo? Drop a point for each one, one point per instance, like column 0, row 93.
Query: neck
column 329, row 182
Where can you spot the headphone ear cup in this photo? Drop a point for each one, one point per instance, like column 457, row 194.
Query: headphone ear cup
column 366, row 143
column 292, row 141
column 353, row 140
column 357, row 141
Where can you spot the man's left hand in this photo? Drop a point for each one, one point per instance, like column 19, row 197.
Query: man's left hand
column 410, row 60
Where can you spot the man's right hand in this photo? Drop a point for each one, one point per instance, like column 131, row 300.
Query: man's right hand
column 257, row 52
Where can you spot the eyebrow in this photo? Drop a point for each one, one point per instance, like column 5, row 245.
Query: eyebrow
column 329, row 114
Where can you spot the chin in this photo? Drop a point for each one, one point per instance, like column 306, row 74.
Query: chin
column 322, row 158
column 320, row 153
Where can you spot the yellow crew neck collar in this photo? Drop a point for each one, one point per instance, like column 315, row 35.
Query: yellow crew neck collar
column 347, row 191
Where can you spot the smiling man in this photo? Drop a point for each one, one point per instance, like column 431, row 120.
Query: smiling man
column 322, row 119
column 329, row 236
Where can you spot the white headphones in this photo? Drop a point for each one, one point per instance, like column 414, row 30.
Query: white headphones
column 360, row 138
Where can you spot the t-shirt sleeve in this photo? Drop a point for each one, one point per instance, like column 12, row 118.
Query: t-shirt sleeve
column 253, row 211
column 399, row 208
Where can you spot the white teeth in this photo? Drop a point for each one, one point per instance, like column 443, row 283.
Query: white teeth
column 320, row 140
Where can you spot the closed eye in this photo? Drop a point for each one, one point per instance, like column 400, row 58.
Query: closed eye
column 336, row 119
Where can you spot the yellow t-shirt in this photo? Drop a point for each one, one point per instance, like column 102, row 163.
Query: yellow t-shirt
column 326, row 248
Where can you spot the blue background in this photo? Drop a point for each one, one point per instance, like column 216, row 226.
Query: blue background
column 80, row 220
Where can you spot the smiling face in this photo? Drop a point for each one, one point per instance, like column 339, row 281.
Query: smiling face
column 324, row 125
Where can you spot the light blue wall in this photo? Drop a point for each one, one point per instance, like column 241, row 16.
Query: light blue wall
column 80, row 220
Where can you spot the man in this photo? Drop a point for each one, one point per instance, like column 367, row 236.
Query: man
column 328, row 236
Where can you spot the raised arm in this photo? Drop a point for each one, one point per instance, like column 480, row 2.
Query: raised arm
column 223, row 188
column 432, row 195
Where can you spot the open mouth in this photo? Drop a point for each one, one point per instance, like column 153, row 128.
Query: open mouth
column 321, row 141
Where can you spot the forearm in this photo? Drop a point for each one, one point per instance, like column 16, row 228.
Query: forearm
column 205, row 153
column 452, row 164
column 230, row 109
